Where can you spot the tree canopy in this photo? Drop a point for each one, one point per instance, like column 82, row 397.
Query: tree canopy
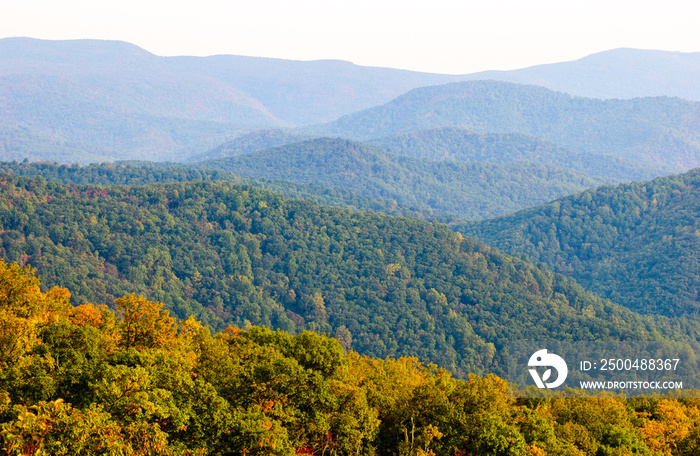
column 236, row 255
column 76, row 380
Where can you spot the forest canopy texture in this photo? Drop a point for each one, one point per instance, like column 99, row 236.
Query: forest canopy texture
column 89, row 380
column 236, row 255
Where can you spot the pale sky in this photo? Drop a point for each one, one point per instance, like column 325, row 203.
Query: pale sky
column 441, row 36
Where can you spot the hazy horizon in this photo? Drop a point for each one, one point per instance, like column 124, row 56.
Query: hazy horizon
column 447, row 37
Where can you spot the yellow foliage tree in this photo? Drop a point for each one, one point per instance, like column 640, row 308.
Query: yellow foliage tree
column 144, row 323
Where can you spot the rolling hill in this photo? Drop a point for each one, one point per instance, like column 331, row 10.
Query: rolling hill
column 656, row 130
column 252, row 142
column 143, row 173
column 231, row 254
column 473, row 190
column 637, row 244
column 467, row 146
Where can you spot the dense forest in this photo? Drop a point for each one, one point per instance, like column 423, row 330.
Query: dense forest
column 468, row 146
column 142, row 173
column 466, row 189
column 134, row 380
column 637, row 244
column 273, row 286
column 233, row 254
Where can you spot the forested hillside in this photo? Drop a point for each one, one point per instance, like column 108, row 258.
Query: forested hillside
column 385, row 286
column 89, row 380
column 18, row 142
column 141, row 173
column 252, row 142
column 637, row 244
column 658, row 130
column 472, row 190
column 458, row 144
column 269, row 285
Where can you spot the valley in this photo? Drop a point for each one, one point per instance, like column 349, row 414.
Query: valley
column 244, row 255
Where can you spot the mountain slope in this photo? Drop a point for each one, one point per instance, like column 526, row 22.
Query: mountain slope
column 474, row 190
column 143, row 173
column 617, row 73
column 252, row 142
column 657, row 130
column 638, row 244
column 467, row 146
column 237, row 255
column 119, row 98
column 20, row 143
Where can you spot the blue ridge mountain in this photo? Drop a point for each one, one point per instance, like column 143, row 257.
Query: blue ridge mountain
column 616, row 73
column 658, row 130
column 109, row 99
column 117, row 97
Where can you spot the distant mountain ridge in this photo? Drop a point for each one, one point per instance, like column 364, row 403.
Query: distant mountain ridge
column 657, row 130
column 252, row 142
column 617, row 73
column 118, row 99
column 458, row 144
column 307, row 91
column 114, row 99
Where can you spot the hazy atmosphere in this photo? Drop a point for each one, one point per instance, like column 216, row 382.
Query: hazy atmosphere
column 448, row 36
column 367, row 228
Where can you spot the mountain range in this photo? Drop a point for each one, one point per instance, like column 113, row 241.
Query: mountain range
column 402, row 142
column 425, row 222
column 655, row 129
column 323, row 258
column 119, row 100
column 234, row 254
column 107, row 100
